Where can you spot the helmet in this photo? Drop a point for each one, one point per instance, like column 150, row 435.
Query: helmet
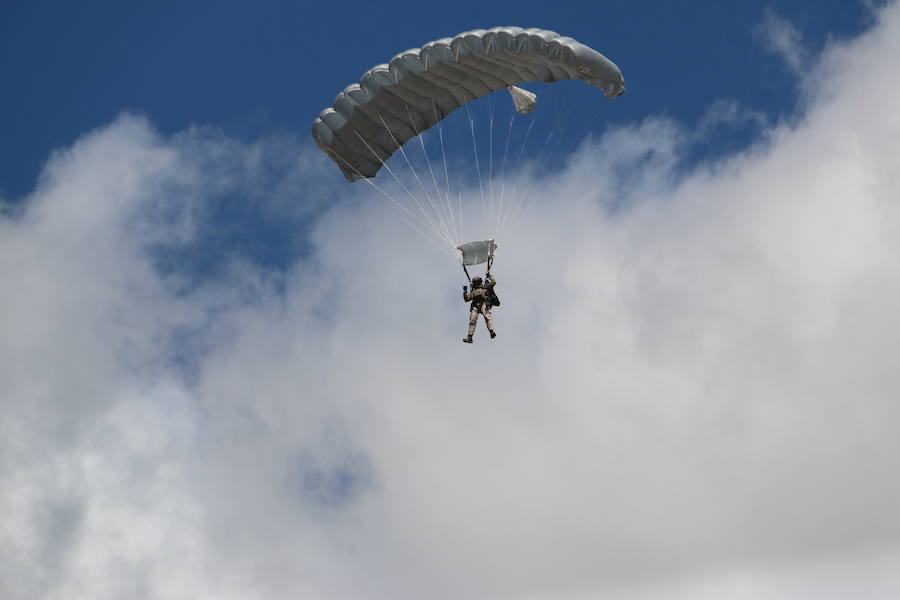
column 476, row 280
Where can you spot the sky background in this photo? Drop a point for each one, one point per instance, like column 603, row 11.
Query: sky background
column 252, row 69
column 226, row 372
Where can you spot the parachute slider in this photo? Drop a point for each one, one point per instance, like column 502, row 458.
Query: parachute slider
column 475, row 253
column 523, row 100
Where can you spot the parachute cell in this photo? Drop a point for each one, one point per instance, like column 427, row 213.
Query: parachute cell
column 394, row 102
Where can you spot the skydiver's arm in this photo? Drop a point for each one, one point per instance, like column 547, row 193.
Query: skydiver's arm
column 490, row 281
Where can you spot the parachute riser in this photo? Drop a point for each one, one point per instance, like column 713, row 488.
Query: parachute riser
column 490, row 263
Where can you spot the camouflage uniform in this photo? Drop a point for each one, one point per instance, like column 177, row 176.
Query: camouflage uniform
column 481, row 303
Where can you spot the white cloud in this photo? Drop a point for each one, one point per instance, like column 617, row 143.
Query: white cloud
column 780, row 37
column 693, row 393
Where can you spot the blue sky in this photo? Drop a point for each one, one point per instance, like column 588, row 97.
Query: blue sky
column 264, row 67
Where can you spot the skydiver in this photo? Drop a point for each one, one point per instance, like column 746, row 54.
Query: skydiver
column 482, row 298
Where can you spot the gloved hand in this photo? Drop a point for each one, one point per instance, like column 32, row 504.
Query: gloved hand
column 465, row 288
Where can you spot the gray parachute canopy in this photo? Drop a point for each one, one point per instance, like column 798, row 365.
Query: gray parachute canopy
column 395, row 102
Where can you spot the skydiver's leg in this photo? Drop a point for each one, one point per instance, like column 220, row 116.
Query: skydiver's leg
column 488, row 320
column 473, row 319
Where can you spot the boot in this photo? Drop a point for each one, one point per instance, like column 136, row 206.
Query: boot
column 468, row 339
column 493, row 334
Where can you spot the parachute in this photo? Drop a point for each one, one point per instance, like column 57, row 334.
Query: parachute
column 395, row 102
column 392, row 103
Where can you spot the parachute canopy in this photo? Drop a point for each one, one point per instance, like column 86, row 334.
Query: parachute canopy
column 397, row 101
column 475, row 253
